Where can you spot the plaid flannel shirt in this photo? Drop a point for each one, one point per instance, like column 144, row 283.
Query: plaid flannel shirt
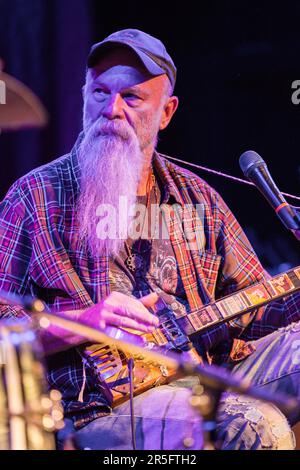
column 41, row 255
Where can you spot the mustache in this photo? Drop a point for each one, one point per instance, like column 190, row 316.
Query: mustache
column 116, row 128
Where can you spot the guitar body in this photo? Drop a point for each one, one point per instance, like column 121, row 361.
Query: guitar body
column 111, row 365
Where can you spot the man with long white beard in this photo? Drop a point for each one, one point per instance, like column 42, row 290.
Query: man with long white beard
column 65, row 232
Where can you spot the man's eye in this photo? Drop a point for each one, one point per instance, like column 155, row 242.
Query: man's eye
column 99, row 94
column 131, row 96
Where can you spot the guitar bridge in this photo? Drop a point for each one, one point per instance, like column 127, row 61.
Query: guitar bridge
column 106, row 360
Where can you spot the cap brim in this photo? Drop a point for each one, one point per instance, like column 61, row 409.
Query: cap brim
column 99, row 49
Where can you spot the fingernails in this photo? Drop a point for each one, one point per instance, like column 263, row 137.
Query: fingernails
column 150, row 328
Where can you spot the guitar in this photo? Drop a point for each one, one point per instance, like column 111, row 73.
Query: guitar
column 110, row 365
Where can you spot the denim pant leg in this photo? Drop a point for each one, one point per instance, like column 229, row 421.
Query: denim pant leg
column 275, row 365
column 247, row 424
column 164, row 420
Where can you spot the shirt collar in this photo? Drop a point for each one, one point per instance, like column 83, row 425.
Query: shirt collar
column 166, row 173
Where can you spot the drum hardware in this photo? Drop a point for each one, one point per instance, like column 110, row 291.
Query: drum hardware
column 210, row 375
column 213, row 380
column 29, row 414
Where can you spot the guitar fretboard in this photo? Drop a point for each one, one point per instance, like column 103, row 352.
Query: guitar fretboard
column 241, row 302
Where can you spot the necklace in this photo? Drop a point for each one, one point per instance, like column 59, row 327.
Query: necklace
column 135, row 260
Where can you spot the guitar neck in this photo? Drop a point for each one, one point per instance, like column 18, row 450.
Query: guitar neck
column 110, row 365
column 177, row 331
column 241, row 302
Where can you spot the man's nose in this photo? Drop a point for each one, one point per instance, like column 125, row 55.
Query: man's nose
column 114, row 107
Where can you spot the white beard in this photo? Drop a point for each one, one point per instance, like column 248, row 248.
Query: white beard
column 111, row 163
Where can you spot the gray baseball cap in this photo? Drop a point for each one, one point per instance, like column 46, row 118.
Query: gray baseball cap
column 150, row 50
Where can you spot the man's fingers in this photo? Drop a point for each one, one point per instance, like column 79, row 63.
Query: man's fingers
column 149, row 300
column 136, row 311
column 113, row 319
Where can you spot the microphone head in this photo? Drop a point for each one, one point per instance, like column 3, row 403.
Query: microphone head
column 250, row 160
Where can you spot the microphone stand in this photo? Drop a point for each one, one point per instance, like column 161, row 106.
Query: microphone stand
column 296, row 232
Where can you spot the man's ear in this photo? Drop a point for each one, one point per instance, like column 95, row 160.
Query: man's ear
column 168, row 111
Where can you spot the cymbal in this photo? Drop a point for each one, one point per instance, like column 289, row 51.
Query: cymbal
column 19, row 107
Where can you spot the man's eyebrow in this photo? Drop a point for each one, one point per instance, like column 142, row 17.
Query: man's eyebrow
column 98, row 82
column 135, row 89
column 130, row 89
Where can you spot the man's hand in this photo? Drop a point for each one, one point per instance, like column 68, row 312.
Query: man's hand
column 122, row 311
column 116, row 310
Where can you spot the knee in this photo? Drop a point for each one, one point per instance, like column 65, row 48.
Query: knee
column 245, row 423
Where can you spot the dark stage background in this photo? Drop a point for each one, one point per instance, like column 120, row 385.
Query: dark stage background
column 236, row 62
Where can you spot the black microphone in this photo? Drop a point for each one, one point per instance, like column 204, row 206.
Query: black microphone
column 255, row 169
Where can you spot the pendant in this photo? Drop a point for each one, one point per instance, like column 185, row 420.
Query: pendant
column 134, row 262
